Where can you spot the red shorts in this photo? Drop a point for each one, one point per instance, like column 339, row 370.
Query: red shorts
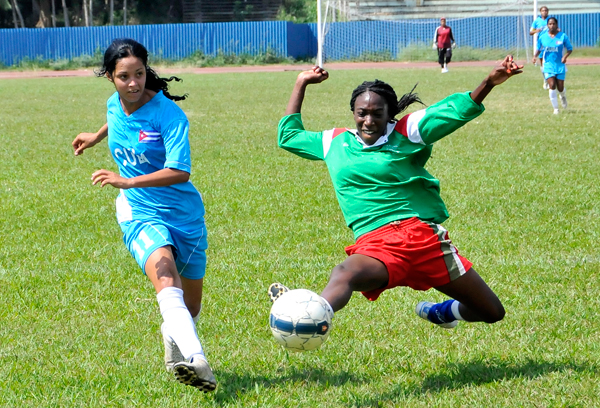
column 416, row 253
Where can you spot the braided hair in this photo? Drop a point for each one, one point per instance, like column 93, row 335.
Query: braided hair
column 384, row 90
column 126, row 47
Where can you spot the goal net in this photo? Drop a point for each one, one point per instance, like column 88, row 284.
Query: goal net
column 353, row 30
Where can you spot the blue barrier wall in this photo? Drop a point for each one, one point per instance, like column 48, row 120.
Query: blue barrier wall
column 344, row 39
column 352, row 40
column 172, row 41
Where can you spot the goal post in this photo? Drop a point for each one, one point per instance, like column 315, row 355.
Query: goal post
column 535, row 36
column 347, row 32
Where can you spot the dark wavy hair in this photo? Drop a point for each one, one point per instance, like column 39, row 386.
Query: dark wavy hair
column 125, row 47
column 552, row 18
column 384, row 90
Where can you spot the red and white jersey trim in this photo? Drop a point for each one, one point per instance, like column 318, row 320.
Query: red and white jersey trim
column 409, row 126
column 328, row 136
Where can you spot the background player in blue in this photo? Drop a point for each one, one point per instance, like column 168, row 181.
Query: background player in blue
column 159, row 211
column 539, row 27
column 554, row 43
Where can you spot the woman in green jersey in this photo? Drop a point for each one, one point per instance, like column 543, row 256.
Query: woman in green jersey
column 391, row 203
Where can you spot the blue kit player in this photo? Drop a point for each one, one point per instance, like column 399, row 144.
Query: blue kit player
column 539, row 27
column 557, row 48
column 159, row 210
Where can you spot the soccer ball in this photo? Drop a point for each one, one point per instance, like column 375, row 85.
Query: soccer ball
column 300, row 320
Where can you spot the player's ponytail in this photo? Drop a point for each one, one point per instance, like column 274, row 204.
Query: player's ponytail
column 408, row 99
column 156, row 83
column 126, row 47
column 384, row 90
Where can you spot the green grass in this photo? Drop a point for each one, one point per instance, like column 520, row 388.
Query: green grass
column 413, row 53
column 196, row 59
column 80, row 325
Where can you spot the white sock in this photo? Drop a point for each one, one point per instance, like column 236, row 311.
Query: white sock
column 455, row 311
column 327, row 303
column 563, row 93
column 553, row 98
column 197, row 317
column 178, row 323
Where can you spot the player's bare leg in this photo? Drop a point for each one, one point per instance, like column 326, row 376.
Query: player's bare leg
column 472, row 301
column 478, row 303
column 357, row 273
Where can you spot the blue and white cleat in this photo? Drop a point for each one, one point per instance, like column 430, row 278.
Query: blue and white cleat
column 422, row 311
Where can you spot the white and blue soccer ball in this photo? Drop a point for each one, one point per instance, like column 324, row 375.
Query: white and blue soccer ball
column 300, row 320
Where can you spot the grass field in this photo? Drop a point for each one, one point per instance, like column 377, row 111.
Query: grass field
column 80, row 325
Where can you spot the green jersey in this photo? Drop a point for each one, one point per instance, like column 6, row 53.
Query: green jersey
column 386, row 181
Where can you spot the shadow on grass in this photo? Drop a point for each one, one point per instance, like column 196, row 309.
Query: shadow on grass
column 456, row 376
column 232, row 385
column 483, row 372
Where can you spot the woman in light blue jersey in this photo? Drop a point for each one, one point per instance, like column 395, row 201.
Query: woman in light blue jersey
column 539, row 27
column 159, row 210
column 556, row 48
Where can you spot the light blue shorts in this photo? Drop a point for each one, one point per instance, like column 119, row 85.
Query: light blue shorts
column 143, row 237
column 557, row 76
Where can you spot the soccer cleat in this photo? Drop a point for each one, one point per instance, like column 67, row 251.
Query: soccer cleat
column 172, row 353
column 196, row 373
column 563, row 101
column 556, row 112
column 444, row 70
column 276, row 290
column 422, row 311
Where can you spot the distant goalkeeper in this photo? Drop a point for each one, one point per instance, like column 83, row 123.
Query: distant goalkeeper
column 443, row 41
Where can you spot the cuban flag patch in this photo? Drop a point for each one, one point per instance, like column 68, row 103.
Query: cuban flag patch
column 149, row 136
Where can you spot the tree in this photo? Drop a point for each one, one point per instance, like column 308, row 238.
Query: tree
column 86, row 14
column 53, row 14
column 17, row 14
column 65, row 12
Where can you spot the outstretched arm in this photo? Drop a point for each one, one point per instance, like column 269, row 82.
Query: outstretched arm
column 160, row 178
column 86, row 140
column 499, row 75
column 313, row 76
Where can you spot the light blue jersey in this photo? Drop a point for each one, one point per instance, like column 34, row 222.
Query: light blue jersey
column 152, row 138
column 539, row 22
column 553, row 52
